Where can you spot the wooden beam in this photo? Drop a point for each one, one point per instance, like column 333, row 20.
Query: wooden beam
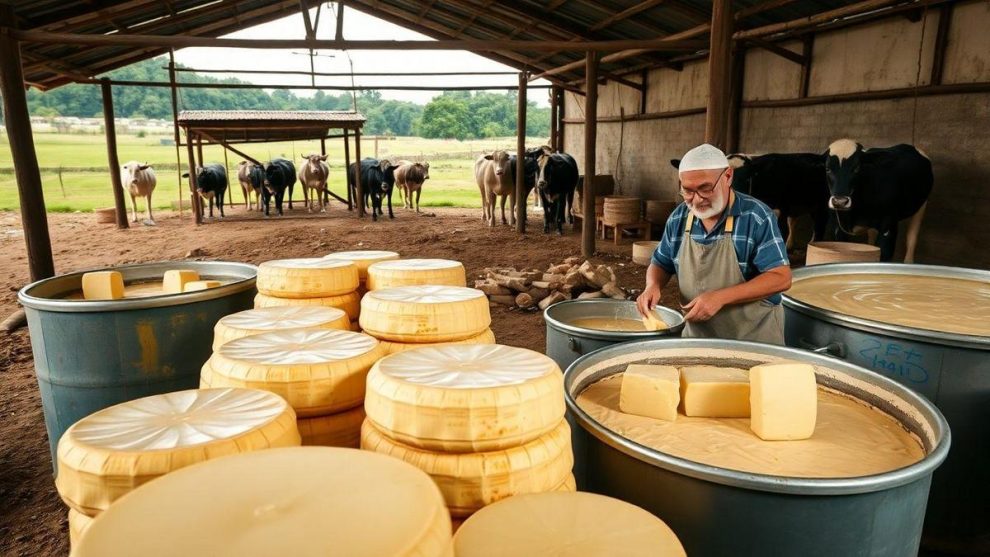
column 554, row 106
column 521, row 155
column 644, row 77
column 778, row 50
column 225, row 144
column 808, row 49
column 820, row 18
column 641, row 117
column 588, row 224
column 625, row 14
column 136, row 83
column 342, row 74
column 196, row 201
column 175, row 123
column 110, row 129
column 339, row 35
column 941, row 41
column 561, row 107
column 359, row 187
column 307, row 22
column 902, row 93
column 27, row 175
column 735, row 99
column 719, row 75
column 761, row 8
column 347, row 168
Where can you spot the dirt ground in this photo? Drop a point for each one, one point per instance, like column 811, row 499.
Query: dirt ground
column 32, row 517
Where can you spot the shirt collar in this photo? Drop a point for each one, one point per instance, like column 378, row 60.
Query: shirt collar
column 733, row 209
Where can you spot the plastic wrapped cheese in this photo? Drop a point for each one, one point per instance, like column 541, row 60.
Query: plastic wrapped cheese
column 362, row 259
column 418, row 314
column 465, row 398
column 350, row 303
column 307, row 278
column 278, row 318
column 412, row 272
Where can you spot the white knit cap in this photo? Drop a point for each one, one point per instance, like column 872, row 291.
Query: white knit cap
column 703, row 157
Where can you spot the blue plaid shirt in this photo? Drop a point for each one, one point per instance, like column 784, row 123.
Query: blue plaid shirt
column 756, row 237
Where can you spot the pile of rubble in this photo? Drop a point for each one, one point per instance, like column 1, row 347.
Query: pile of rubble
column 532, row 288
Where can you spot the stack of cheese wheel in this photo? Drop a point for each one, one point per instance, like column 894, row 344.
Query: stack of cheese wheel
column 362, row 259
column 320, row 372
column 414, row 316
column 310, row 282
column 277, row 318
column 484, row 421
column 106, row 455
column 413, row 272
column 303, row 501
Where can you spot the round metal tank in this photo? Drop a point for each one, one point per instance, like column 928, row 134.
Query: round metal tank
column 566, row 343
column 951, row 370
column 91, row 354
column 715, row 511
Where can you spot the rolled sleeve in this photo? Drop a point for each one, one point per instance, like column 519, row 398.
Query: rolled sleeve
column 770, row 249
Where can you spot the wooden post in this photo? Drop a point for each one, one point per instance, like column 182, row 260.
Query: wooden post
column 175, row 122
column 736, row 98
column 26, row 171
column 226, row 169
column 376, row 146
column 323, row 151
column 588, row 225
column 941, row 40
column 347, row 168
column 719, row 75
column 199, row 151
column 191, row 157
column 644, row 79
column 521, row 155
column 807, row 51
column 359, row 189
column 110, row 129
column 561, row 111
column 553, row 119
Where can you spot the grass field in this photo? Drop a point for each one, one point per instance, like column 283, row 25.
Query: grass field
column 451, row 182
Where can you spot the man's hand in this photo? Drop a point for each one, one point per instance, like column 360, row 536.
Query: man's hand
column 704, row 307
column 648, row 299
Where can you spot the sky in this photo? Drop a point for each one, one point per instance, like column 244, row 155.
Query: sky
column 357, row 26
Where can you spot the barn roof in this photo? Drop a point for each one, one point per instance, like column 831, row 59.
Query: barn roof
column 240, row 126
column 52, row 65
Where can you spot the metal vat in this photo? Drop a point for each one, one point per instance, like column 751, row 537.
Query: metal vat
column 717, row 512
column 951, row 370
column 89, row 355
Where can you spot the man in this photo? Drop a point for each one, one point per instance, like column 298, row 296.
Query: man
column 728, row 255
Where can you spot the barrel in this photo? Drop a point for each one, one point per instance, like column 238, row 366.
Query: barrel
column 841, row 252
column 642, row 252
column 578, row 207
column 618, row 209
column 91, row 354
column 657, row 212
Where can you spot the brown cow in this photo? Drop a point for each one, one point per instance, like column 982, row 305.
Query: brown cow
column 139, row 180
column 313, row 174
column 494, row 178
column 409, row 178
column 252, row 178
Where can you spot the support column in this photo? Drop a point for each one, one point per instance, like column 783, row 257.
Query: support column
column 719, row 75
column 553, row 119
column 359, row 189
column 736, row 98
column 175, row 123
column 347, row 168
column 561, row 112
column 26, row 172
column 110, row 130
column 191, row 157
column 589, row 226
column 521, row 155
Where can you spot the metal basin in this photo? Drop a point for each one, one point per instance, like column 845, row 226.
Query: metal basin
column 90, row 354
column 715, row 511
column 951, row 370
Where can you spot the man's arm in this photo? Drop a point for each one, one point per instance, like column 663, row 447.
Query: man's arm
column 656, row 278
column 760, row 287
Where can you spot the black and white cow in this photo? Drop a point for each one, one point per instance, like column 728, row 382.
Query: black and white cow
column 211, row 186
column 530, row 170
column 280, row 175
column 377, row 181
column 555, row 183
column 876, row 189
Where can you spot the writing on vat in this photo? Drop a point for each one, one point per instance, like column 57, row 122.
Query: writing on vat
column 904, row 362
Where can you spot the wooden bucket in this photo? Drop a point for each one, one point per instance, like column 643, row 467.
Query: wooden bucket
column 578, row 207
column 106, row 215
column 642, row 252
column 622, row 210
column 841, row 252
column 657, row 212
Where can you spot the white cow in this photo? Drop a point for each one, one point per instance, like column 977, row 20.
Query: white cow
column 495, row 180
column 313, row 174
column 139, row 180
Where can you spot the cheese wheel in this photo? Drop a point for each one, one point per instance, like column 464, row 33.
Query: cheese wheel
column 487, row 337
column 575, row 524
column 425, row 313
column 303, row 502
column 362, row 259
column 279, row 318
column 570, row 484
column 307, row 278
column 333, row 430
column 412, row 272
column 472, row 480
column 108, row 454
column 350, row 303
column 465, row 397
column 318, row 371
column 78, row 524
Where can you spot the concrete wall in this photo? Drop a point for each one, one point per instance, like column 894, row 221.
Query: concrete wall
column 953, row 129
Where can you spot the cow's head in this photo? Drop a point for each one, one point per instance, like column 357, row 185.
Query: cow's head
column 388, row 177
column 501, row 160
column 314, row 159
column 842, row 164
column 274, row 180
column 426, row 170
column 542, row 172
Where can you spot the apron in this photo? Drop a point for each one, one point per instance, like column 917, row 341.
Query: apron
column 714, row 266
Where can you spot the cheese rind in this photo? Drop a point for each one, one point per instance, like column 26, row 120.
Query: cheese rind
column 307, row 278
column 195, row 285
column 277, row 318
column 103, row 285
column 415, row 272
column 784, row 399
column 650, row 390
column 342, row 429
column 487, row 337
column 714, row 392
column 78, row 524
column 362, row 259
column 418, row 314
column 174, row 281
column 350, row 303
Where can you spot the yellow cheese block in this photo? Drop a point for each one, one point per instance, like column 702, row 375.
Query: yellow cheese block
column 362, row 259
column 108, row 454
column 299, row 502
column 470, row 481
column 307, row 278
column 78, row 524
column 318, row 371
column 350, row 303
column 784, row 399
column 103, row 285
column 174, row 281
column 334, row 430
column 412, row 272
column 572, row 524
column 465, row 397
column 714, row 392
column 278, row 318
column 195, row 285
column 425, row 313
column 487, row 337
column 651, row 391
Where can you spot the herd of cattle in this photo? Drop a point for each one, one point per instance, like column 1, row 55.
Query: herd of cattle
column 846, row 190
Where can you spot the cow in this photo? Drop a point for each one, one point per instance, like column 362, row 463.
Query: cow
column 377, row 181
column 875, row 189
column 530, row 169
column 280, row 175
column 409, row 178
column 555, row 183
column 495, row 179
column 211, row 185
column 139, row 180
column 313, row 175
column 252, row 178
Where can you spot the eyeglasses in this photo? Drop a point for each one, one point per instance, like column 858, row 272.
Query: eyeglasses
column 703, row 192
